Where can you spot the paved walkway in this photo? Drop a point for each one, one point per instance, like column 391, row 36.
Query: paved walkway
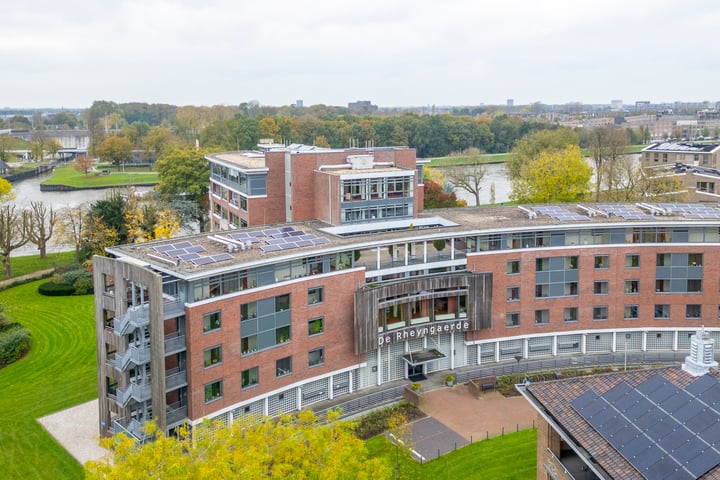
column 22, row 278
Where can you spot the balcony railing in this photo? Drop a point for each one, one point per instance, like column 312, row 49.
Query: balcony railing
column 175, row 378
column 140, row 392
column 135, row 317
column 175, row 342
column 175, row 414
column 137, row 355
column 131, row 428
column 173, row 306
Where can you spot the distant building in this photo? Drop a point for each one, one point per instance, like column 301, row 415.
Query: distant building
column 698, row 164
column 362, row 105
column 510, row 102
column 298, row 103
column 616, row 105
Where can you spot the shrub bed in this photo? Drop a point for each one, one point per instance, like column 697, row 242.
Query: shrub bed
column 74, row 280
column 14, row 343
column 376, row 422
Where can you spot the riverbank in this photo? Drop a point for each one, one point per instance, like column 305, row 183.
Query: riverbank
column 66, row 178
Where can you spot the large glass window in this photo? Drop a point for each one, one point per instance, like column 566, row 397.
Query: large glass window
column 542, row 317
column 316, row 357
column 570, row 314
column 512, row 319
column 248, row 344
column 631, row 312
column 662, row 311
column 602, row 261
column 632, row 286
column 600, row 287
column 513, row 267
column 282, row 334
column 211, row 321
column 693, row 312
column 249, row 377
column 513, row 294
column 282, row 302
column 315, row 295
column 212, row 356
column 248, row 310
column 213, row 391
column 632, row 261
column 600, row 312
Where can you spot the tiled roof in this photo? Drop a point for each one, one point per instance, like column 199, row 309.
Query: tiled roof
column 555, row 398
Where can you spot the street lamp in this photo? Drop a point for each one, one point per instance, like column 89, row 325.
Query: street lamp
column 518, row 358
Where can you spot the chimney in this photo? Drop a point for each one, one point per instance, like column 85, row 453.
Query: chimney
column 702, row 355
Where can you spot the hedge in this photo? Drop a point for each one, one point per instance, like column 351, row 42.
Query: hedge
column 14, row 343
column 51, row 289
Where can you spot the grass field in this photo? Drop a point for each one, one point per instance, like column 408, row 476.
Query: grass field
column 59, row 372
column 67, row 175
column 32, row 263
column 506, row 457
column 453, row 160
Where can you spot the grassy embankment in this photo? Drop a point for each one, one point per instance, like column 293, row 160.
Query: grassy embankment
column 33, row 263
column 67, row 175
column 507, row 457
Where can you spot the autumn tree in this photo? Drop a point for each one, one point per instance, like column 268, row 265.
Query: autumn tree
column 53, row 146
column 436, row 197
column 42, row 222
column 530, row 146
column 71, row 227
column 293, row 446
column 5, row 190
column 607, row 145
column 184, row 175
column 268, row 128
column 84, row 164
column 116, row 150
column 468, row 178
column 148, row 220
column 37, row 145
column 14, row 225
column 553, row 176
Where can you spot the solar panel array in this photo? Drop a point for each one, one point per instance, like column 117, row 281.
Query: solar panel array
column 559, row 213
column 277, row 239
column 665, row 432
column 693, row 210
column 188, row 252
column 628, row 212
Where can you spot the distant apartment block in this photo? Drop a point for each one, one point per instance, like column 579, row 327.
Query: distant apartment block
column 698, row 164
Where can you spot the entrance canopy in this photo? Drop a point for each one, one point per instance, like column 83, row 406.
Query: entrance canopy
column 423, row 356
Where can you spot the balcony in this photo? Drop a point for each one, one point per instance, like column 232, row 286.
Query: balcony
column 136, row 355
column 135, row 317
column 173, row 306
column 140, row 392
column 175, row 378
column 175, row 414
column 174, row 342
column 132, row 428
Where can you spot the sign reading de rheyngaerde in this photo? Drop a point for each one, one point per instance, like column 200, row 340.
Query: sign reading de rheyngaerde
column 434, row 328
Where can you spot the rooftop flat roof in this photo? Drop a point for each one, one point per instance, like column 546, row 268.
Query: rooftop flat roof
column 682, row 147
column 194, row 255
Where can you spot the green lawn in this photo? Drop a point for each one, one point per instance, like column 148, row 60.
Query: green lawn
column 32, row 263
column 59, row 372
column 67, row 175
column 510, row 456
column 468, row 159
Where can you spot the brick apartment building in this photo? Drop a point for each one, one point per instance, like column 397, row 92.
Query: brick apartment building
column 697, row 164
column 276, row 318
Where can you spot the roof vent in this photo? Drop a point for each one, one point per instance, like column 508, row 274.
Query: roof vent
column 702, row 355
column 361, row 162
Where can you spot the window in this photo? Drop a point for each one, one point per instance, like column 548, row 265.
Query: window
column 316, row 357
column 513, row 267
column 315, row 295
column 213, row 391
column 571, row 263
column 693, row 312
column 600, row 312
column 662, row 286
column 512, row 319
column 542, row 291
column 708, row 187
column 695, row 260
column 631, row 312
column 316, row 326
column 212, row 356
column 211, row 321
column 282, row 302
column 542, row 264
column 662, row 260
column 694, row 286
column 249, row 377
column 632, row 261
column 283, row 367
column 282, row 334
column 571, row 288
column 632, row 286
column 248, row 310
column 513, row 294
column 662, row 311
column 109, row 284
column 602, row 261
column 542, row 317
column 570, row 314
column 600, row 287
column 248, row 345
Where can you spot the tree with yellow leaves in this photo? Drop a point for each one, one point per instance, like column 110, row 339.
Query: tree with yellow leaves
column 553, row 176
column 290, row 447
column 5, row 190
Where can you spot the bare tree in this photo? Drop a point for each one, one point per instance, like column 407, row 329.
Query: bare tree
column 607, row 145
column 14, row 226
column 84, row 163
column 468, row 178
column 42, row 225
column 71, row 228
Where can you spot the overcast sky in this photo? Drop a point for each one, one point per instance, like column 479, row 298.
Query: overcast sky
column 391, row 52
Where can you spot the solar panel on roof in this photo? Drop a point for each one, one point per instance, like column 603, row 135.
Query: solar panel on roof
column 634, row 447
column 270, row 231
column 674, row 402
column 626, row 401
column 287, row 229
column 163, row 248
column 711, row 433
column 202, row 261
column 221, row 257
column 637, row 410
column 296, row 233
column 698, row 421
column 625, row 435
column 195, row 249
column 702, row 384
column 188, row 256
column 183, row 245
column 701, row 464
column 586, row 399
column 648, row 457
column 688, row 410
column 651, row 384
column 303, row 243
column 661, row 429
column 319, row 241
column 270, row 248
column 676, row 439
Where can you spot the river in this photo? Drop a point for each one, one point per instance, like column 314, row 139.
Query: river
column 494, row 173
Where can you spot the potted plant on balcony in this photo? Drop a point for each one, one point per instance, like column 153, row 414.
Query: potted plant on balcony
column 449, row 380
column 415, row 387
